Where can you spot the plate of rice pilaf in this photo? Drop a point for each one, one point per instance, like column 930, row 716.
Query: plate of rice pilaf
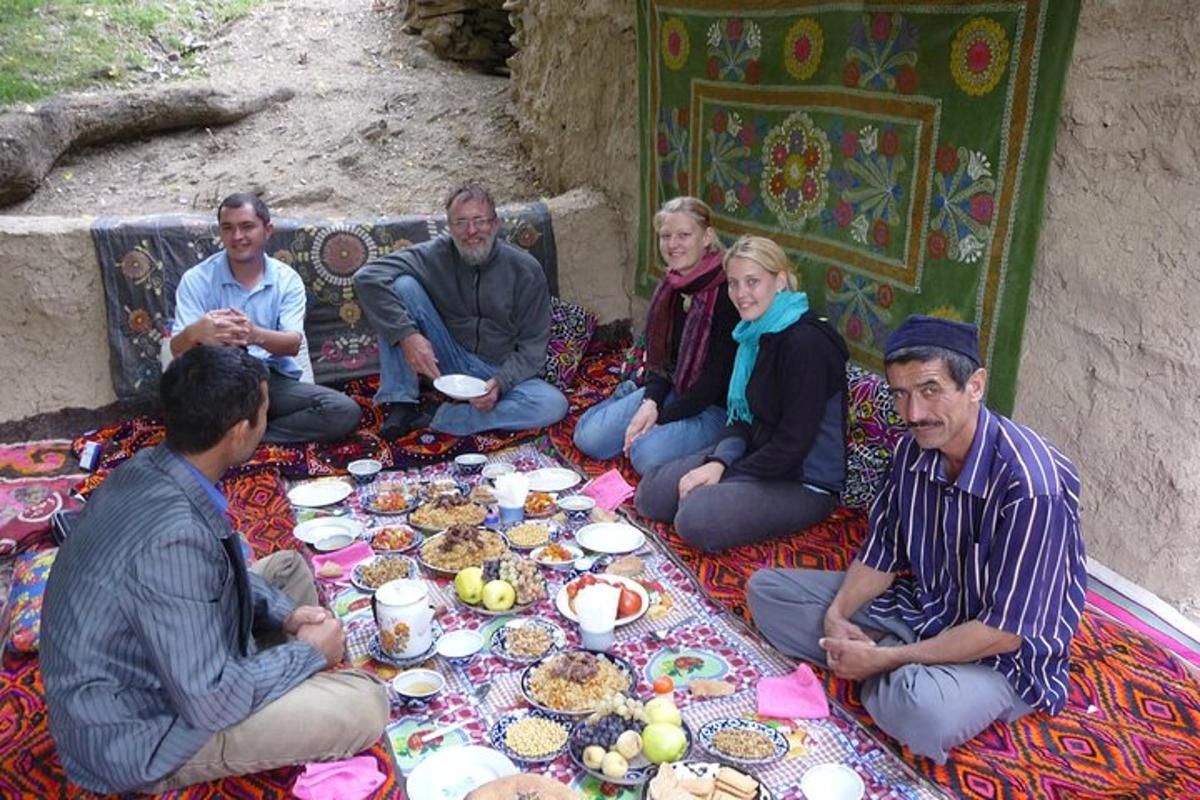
column 459, row 547
column 575, row 682
column 743, row 742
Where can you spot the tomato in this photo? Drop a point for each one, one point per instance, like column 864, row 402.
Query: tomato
column 572, row 590
column 664, row 685
column 629, row 604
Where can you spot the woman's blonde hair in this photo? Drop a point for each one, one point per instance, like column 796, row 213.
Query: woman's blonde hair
column 766, row 254
column 695, row 208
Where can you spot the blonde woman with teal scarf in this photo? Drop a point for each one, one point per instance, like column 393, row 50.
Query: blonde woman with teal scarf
column 781, row 460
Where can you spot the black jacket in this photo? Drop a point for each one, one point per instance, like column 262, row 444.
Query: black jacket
column 797, row 395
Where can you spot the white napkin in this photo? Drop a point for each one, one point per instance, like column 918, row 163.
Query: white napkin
column 596, row 607
column 511, row 489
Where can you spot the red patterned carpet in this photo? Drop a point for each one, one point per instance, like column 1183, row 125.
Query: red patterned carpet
column 1131, row 728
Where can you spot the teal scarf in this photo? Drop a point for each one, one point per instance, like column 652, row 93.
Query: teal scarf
column 785, row 310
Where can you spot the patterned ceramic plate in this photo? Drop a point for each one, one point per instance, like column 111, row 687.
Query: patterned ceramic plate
column 487, row 612
column 621, row 664
column 358, row 574
column 432, row 540
column 778, row 740
column 526, row 530
column 393, row 538
column 498, row 735
column 502, row 636
column 385, row 502
column 708, row 769
column 377, row 653
column 640, row 769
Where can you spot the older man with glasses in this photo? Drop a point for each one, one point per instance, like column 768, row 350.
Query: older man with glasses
column 465, row 303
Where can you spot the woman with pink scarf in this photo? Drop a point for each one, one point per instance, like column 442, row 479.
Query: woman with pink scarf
column 680, row 409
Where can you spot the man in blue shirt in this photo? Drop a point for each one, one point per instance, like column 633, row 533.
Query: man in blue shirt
column 158, row 669
column 960, row 608
column 241, row 296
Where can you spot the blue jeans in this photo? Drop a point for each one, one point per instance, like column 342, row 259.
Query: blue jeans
column 529, row 405
column 601, row 431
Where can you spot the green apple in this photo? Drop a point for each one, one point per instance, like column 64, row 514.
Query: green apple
column 663, row 742
column 663, row 709
column 469, row 585
column 499, row 595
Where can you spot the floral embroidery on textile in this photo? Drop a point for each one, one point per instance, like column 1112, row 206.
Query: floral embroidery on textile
column 882, row 54
column 802, row 48
column 672, row 146
column 868, row 183
column 732, row 168
column 734, row 50
column 25, row 600
column 859, row 306
column 979, row 56
column 796, row 158
column 571, row 329
column 873, row 428
column 963, row 205
column 351, row 350
column 675, row 44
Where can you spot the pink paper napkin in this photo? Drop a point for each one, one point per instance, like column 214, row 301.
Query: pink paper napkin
column 609, row 490
column 353, row 779
column 796, row 696
column 345, row 558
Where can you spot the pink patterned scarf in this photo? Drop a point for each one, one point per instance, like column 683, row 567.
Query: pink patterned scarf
column 702, row 284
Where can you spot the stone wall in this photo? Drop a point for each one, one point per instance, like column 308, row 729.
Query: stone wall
column 52, row 318
column 1110, row 358
column 1110, row 367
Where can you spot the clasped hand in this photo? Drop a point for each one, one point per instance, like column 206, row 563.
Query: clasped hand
column 319, row 628
column 850, row 652
column 225, row 326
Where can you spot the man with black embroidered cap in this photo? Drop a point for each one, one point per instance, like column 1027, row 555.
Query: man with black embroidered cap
column 960, row 607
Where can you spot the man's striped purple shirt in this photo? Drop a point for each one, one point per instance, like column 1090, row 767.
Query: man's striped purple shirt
column 1000, row 544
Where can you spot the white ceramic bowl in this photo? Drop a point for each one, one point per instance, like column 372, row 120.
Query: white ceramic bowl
column 832, row 782
column 333, row 542
column 364, row 469
column 418, row 684
column 469, row 463
column 577, row 507
column 493, row 471
column 459, row 645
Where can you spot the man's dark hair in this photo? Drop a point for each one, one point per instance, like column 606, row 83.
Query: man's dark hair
column 470, row 191
column 958, row 365
column 208, row 390
column 239, row 199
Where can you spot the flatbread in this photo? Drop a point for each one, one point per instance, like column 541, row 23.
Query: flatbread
column 514, row 785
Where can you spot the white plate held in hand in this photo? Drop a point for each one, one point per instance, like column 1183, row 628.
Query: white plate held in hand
column 460, row 387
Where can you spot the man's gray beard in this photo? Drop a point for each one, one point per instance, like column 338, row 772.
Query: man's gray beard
column 473, row 258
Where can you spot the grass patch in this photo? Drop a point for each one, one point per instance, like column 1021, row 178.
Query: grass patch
column 50, row 46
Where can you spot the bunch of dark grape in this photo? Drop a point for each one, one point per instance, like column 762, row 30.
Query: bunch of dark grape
column 491, row 569
column 603, row 732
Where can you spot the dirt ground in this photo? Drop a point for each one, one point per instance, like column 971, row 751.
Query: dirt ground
column 377, row 126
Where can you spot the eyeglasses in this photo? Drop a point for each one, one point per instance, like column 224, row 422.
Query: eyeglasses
column 473, row 222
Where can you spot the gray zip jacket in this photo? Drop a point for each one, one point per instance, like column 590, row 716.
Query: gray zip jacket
column 500, row 310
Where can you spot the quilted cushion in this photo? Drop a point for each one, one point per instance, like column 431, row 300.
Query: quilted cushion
column 872, row 432
column 571, row 328
column 25, row 599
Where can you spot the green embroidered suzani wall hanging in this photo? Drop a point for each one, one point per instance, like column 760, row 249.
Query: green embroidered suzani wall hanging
column 897, row 151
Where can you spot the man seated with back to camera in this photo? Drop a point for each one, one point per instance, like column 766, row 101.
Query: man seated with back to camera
column 168, row 661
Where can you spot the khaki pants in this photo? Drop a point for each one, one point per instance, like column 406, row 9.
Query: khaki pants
column 328, row 717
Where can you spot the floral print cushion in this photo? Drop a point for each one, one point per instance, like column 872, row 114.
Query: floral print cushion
column 571, row 328
column 25, row 599
column 871, row 434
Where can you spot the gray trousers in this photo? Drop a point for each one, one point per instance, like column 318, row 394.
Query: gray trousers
column 929, row 709
column 738, row 510
column 306, row 412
